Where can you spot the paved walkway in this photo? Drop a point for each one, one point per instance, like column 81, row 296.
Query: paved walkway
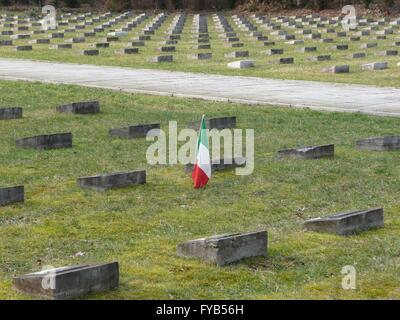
column 315, row 95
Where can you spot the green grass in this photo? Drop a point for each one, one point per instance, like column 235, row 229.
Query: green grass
column 141, row 226
column 302, row 69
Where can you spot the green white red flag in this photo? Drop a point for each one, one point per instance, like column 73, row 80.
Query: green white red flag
column 202, row 167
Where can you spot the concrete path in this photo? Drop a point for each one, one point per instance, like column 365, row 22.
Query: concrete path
column 315, row 95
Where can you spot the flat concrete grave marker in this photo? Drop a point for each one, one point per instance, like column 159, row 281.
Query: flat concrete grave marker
column 128, row 51
column 388, row 143
column 337, row 69
column 358, row 55
column 244, row 64
column 375, row 66
column 368, row 45
column 167, row 49
column 61, row 46
column 200, row 56
column 23, row 48
column 388, row 53
column 237, row 54
column 285, row 61
column 89, row 107
column 225, row 249
column 6, row 43
column 272, row 52
column 46, row 142
column 100, row 45
column 216, row 123
column 11, row 195
column 346, row 223
column 136, row 131
column 326, row 151
column 90, row 52
column 70, row 282
column 112, row 181
column 156, row 59
column 221, row 164
column 320, row 58
column 10, row 113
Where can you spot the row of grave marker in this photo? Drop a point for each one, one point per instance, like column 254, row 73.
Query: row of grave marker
column 223, row 249
column 76, row 281
column 245, row 24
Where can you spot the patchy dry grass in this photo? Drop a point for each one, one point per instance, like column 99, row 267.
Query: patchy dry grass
column 141, row 226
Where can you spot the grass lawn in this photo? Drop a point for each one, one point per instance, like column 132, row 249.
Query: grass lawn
column 302, row 69
column 141, row 226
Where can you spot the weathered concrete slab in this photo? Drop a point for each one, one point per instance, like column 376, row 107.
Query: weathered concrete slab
column 89, row 107
column 112, row 181
column 225, row 249
column 200, row 56
column 375, row 66
column 157, row 59
column 23, row 48
column 221, row 164
column 70, row 282
column 388, row 143
column 90, row 52
column 45, row 142
column 11, row 195
column 337, row 69
column 326, row 151
column 10, row 113
column 237, row 54
column 348, row 222
column 136, row 131
column 244, row 64
column 216, row 123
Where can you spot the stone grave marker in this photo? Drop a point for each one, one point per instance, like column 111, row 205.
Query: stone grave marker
column 46, row 142
column 243, row 64
column 358, row 55
column 10, row 113
column 136, row 131
column 388, row 53
column 388, row 143
column 23, row 48
column 200, row 56
column 326, row 151
column 112, row 181
column 285, row 61
column 320, row 58
column 221, row 164
column 237, row 54
column 216, row 123
column 375, row 66
column 272, row 52
column 347, row 223
column 227, row 248
column 70, row 282
column 11, row 195
column 90, row 52
column 337, row 69
column 89, row 107
column 156, row 59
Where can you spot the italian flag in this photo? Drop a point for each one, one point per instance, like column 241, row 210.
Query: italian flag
column 202, row 167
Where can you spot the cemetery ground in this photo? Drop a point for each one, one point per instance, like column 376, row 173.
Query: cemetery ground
column 60, row 224
column 303, row 68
